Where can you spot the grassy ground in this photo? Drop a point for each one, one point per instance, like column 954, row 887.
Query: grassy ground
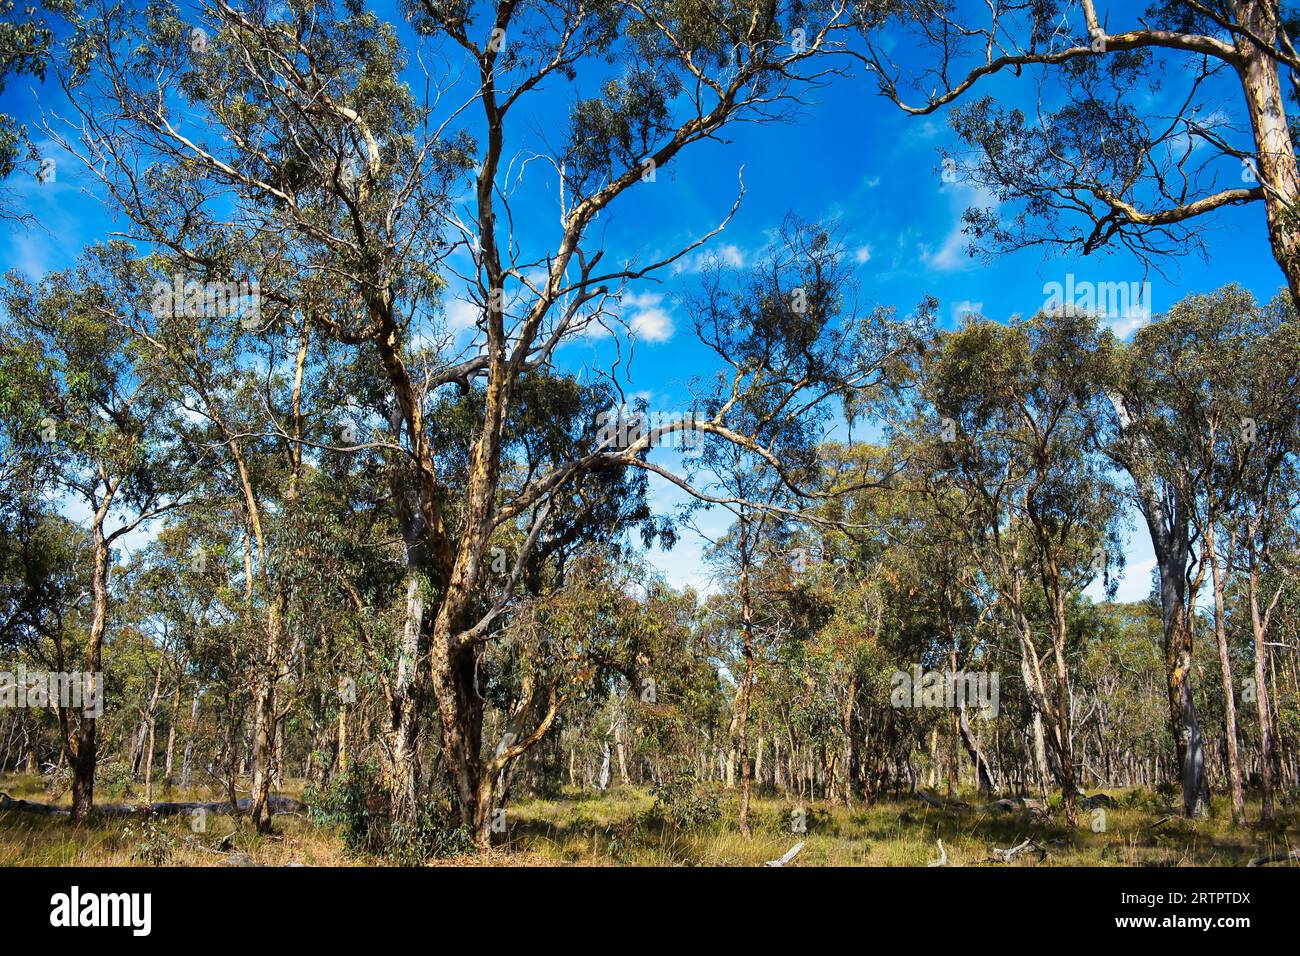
column 28, row 839
column 613, row 829
column 594, row 830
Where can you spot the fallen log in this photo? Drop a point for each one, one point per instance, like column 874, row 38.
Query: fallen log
column 790, row 854
column 1010, row 853
column 941, row 804
column 1002, row 806
column 1087, row 802
column 1282, row 856
column 943, row 856
column 26, row 806
column 277, row 804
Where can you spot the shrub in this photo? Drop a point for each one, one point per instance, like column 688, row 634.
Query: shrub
column 354, row 803
column 683, row 802
column 113, row 779
column 153, row 844
column 433, row 834
column 358, row 805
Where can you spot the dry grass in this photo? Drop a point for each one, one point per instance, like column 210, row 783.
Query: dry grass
column 892, row 832
column 588, row 829
column 28, row 839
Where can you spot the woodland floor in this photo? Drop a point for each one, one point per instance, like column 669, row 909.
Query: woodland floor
column 588, row 829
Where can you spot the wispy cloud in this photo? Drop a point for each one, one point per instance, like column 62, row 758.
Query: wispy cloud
column 727, row 253
column 951, row 255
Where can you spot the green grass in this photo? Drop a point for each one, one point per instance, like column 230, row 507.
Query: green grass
column 615, row 828
column 28, row 839
column 586, row 830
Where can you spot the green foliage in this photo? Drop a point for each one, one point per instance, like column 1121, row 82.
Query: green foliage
column 113, row 779
column 154, row 846
column 350, row 803
column 432, row 835
column 683, row 802
column 358, row 805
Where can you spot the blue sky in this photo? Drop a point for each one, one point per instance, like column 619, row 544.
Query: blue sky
column 850, row 157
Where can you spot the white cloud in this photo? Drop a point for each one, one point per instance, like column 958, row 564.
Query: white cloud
column 862, row 255
column 732, row 255
column 727, row 253
column 964, row 308
column 647, row 316
column 1129, row 322
column 951, row 256
column 461, row 315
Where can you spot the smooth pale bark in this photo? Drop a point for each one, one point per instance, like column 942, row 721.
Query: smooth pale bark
column 538, row 705
column 1062, row 725
column 1218, row 582
column 265, row 716
column 341, row 741
column 1047, row 741
column 984, row 770
column 404, row 717
column 187, row 763
column 152, row 721
column 1275, row 152
column 1259, row 619
column 266, row 682
column 620, row 748
column 175, row 713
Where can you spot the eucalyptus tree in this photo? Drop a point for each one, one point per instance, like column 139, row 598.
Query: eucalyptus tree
column 856, row 578
column 300, row 133
column 27, row 41
column 82, row 398
column 1184, row 450
column 1124, row 152
column 44, row 560
column 793, row 338
column 1008, row 413
column 42, row 563
column 1228, row 368
column 1257, row 362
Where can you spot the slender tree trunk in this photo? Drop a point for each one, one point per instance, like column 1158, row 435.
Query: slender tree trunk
column 1062, row 724
column 187, row 763
column 743, row 696
column 1259, row 632
column 152, row 720
column 1217, row 581
column 404, row 716
column 1182, row 710
column 171, row 733
column 1169, row 536
column 266, row 717
column 83, row 765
